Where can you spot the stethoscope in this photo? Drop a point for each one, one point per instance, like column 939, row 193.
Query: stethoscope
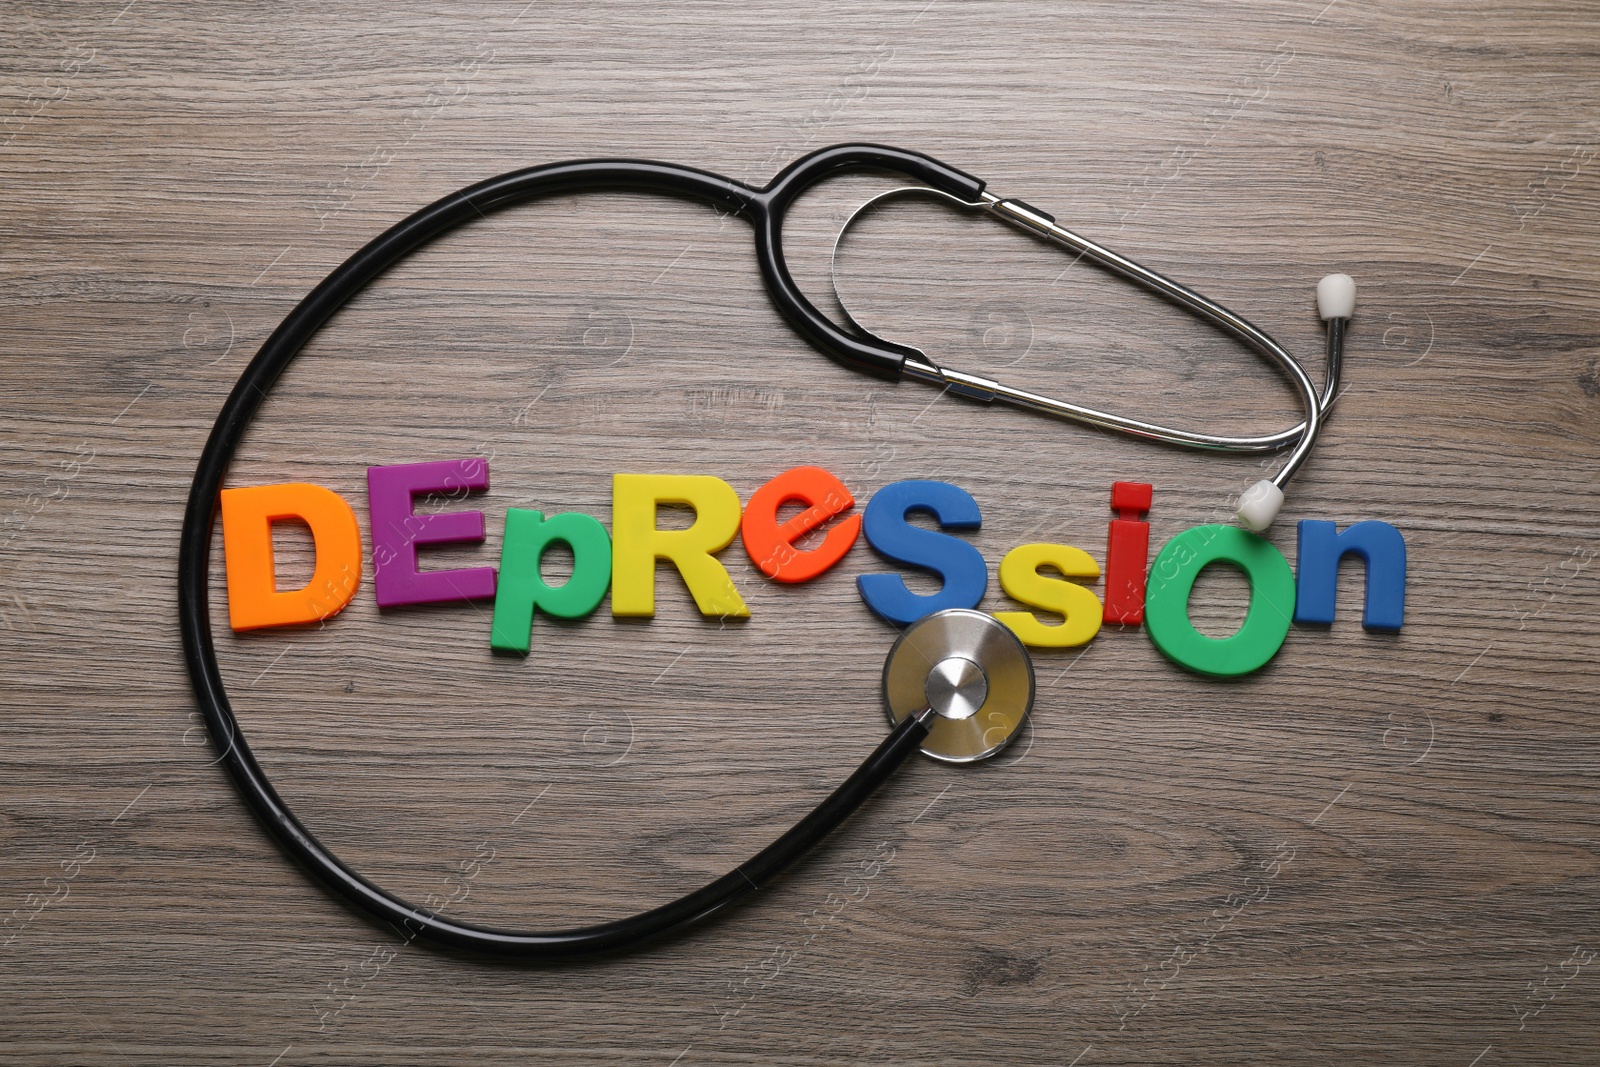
column 957, row 684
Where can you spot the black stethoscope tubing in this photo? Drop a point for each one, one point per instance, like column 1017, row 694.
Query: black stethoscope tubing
column 765, row 209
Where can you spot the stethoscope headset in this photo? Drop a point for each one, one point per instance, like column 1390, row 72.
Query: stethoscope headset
column 957, row 684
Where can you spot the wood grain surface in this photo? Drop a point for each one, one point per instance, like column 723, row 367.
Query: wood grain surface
column 1380, row 848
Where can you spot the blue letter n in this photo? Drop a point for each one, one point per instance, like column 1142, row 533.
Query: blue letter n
column 1383, row 549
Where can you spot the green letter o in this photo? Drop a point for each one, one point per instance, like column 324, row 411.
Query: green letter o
column 1171, row 581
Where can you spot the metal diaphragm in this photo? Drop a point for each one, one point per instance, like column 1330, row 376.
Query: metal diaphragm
column 972, row 671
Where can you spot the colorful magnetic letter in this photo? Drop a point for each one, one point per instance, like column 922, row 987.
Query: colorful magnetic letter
column 771, row 546
column 1266, row 624
column 521, row 587
column 247, row 518
column 637, row 544
column 397, row 531
column 966, row 576
column 1382, row 548
column 1127, row 552
column 1022, row 580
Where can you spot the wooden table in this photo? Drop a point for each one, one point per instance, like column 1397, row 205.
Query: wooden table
column 1380, row 848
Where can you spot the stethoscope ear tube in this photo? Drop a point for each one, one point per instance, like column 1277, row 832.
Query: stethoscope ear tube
column 872, row 355
column 1259, row 505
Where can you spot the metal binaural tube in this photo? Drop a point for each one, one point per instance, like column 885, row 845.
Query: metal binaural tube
column 1302, row 436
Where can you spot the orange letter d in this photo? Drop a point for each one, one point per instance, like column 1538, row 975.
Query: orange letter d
column 247, row 518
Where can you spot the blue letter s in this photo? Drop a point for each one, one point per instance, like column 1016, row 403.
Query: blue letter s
column 965, row 574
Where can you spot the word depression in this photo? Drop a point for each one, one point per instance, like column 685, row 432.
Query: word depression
column 1045, row 577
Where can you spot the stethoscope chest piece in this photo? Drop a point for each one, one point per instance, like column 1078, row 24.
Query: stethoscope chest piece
column 971, row 671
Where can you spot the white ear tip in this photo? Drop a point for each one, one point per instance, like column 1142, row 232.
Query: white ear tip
column 1259, row 505
column 1336, row 296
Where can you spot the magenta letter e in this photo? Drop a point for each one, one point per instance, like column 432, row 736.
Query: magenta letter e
column 397, row 531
